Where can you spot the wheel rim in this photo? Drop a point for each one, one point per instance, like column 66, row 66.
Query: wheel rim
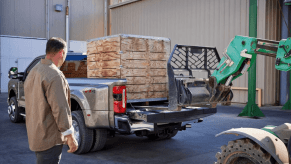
column 76, row 131
column 12, row 114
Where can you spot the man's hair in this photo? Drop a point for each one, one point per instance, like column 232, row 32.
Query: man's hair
column 54, row 45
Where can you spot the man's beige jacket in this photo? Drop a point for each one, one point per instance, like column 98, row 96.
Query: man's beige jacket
column 47, row 106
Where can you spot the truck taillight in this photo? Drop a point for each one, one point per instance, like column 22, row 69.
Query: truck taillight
column 119, row 95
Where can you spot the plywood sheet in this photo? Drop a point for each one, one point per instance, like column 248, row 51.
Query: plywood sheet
column 146, row 88
column 159, row 46
column 104, row 73
column 146, row 80
column 142, row 72
column 133, row 44
column 145, row 95
column 105, row 45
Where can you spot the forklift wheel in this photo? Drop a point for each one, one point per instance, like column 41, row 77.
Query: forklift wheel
column 243, row 151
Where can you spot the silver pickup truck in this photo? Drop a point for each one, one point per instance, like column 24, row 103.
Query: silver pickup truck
column 100, row 109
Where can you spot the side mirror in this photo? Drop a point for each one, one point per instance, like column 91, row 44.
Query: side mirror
column 12, row 73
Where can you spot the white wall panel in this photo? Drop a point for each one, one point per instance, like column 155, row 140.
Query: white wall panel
column 16, row 48
column 78, row 46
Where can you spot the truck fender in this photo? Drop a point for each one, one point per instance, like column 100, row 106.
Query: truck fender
column 83, row 102
column 80, row 98
column 266, row 140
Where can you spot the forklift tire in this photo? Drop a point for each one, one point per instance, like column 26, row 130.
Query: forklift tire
column 100, row 137
column 243, row 151
column 83, row 135
column 14, row 113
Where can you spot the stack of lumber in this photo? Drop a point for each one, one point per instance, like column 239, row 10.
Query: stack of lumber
column 74, row 69
column 141, row 60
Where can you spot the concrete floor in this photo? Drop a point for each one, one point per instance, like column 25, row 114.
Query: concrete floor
column 196, row 145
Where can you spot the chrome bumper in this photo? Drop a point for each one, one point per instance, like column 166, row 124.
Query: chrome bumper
column 124, row 125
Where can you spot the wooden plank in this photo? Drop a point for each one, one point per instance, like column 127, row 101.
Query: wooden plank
column 159, row 46
column 92, row 47
column 104, row 64
column 144, row 55
column 104, row 73
column 134, row 63
column 156, row 94
column 257, row 89
column 132, row 96
column 107, row 56
column 145, row 80
column 146, row 88
column 91, row 57
column 144, row 95
column 110, row 45
column 91, row 65
column 134, row 55
column 105, row 45
column 158, row 64
column 159, row 56
column 132, row 72
column 142, row 72
column 158, row 72
column 133, row 44
column 109, row 64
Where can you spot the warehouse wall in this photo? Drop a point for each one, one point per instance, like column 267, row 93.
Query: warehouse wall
column 200, row 22
column 272, row 26
column 28, row 18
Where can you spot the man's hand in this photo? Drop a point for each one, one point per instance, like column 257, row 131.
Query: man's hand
column 72, row 143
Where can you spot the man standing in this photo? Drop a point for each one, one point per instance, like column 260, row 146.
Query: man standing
column 47, row 105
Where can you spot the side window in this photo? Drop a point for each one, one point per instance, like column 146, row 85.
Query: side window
column 32, row 65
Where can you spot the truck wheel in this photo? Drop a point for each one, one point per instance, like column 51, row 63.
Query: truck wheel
column 100, row 137
column 172, row 134
column 14, row 111
column 83, row 135
column 156, row 137
column 243, row 151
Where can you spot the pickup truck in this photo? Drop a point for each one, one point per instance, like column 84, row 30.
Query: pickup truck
column 100, row 108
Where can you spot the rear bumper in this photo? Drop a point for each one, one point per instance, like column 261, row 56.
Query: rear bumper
column 138, row 120
column 185, row 114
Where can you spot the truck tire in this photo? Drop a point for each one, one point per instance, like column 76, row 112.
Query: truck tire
column 173, row 134
column 14, row 113
column 100, row 137
column 157, row 137
column 162, row 136
column 83, row 135
column 243, row 151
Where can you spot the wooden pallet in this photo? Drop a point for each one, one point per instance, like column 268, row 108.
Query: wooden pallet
column 141, row 60
column 74, row 69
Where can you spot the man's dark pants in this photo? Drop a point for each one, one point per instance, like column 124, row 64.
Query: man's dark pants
column 50, row 156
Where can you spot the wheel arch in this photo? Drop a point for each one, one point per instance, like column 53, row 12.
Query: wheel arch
column 266, row 140
column 75, row 105
column 11, row 93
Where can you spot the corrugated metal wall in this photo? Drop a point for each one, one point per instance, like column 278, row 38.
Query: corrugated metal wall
column 202, row 22
column 28, row 18
column 23, row 18
column 269, row 27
